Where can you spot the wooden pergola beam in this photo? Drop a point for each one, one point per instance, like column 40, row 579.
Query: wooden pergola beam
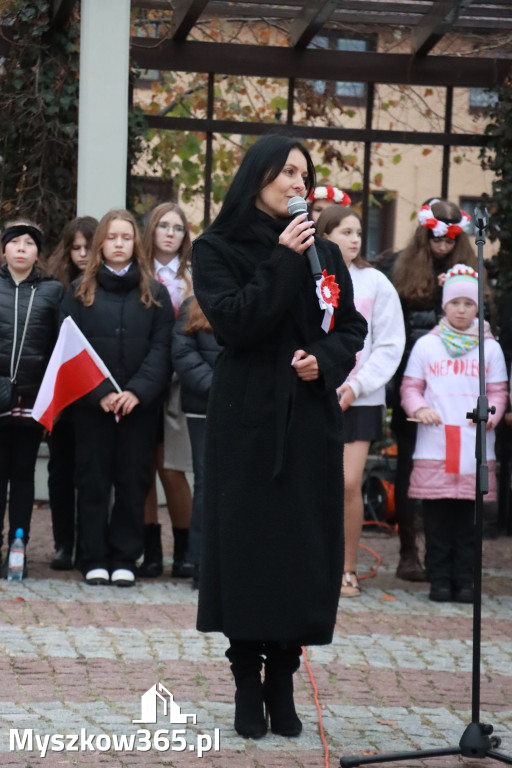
column 495, row 16
column 186, row 14
column 435, row 24
column 348, row 66
column 310, row 20
column 421, row 138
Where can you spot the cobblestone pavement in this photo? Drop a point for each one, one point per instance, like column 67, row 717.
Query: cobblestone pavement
column 77, row 659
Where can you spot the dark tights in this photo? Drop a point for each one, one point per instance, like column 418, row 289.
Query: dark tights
column 450, row 541
column 19, row 444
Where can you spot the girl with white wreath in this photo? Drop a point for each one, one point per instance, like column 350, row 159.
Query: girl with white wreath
column 438, row 243
column 322, row 197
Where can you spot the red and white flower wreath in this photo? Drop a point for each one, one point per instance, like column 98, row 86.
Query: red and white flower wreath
column 328, row 291
column 331, row 194
column 441, row 228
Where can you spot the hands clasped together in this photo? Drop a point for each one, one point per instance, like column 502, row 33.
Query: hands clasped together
column 119, row 402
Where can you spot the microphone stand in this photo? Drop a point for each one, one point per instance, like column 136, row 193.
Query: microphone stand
column 476, row 741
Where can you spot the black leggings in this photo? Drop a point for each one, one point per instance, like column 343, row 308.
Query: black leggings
column 19, row 444
column 450, row 541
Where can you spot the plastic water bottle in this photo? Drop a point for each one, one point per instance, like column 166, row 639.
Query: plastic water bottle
column 16, row 557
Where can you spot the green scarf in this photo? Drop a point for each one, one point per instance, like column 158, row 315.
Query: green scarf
column 456, row 343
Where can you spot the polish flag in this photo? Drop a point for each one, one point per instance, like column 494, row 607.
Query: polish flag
column 74, row 370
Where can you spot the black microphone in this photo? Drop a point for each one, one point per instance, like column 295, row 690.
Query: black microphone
column 296, row 206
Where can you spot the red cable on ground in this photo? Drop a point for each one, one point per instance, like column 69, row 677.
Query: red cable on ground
column 318, row 707
column 373, row 571
column 369, row 575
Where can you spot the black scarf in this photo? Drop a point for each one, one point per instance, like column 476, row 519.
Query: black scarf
column 264, row 228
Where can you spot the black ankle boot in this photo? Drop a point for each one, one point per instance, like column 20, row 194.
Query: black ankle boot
column 246, row 666
column 249, row 710
column 181, row 568
column 152, row 565
column 278, row 690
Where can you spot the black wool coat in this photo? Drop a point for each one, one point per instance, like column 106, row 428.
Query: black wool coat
column 272, row 547
column 133, row 341
column 42, row 328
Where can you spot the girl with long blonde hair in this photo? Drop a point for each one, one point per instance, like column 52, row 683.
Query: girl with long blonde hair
column 127, row 317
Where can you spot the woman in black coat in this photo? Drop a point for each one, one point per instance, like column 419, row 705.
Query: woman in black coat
column 127, row 317
column 29, row 317
column 272, row 546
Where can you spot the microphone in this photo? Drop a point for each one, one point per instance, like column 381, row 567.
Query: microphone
column 296, row 206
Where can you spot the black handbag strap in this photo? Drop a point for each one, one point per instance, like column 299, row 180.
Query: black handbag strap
column 15, row 370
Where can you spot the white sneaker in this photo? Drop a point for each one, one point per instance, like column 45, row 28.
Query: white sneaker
column 122, row 577
column 97, row 577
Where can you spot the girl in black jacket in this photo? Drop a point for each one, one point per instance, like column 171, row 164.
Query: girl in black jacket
column 29, row 312
column 66, row 263
column 127, row 317
column 194, row 352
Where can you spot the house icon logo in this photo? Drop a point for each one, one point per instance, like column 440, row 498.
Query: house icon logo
column 149, row 707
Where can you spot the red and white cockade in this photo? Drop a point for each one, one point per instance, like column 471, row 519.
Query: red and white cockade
column 331, row 194
column 328, row 291
column 441, row 228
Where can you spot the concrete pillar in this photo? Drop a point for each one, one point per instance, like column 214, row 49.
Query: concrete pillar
column 103, row 106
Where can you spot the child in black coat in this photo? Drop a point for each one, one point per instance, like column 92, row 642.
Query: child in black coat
column 29, row 312
column 127, row 317
column 67, row 263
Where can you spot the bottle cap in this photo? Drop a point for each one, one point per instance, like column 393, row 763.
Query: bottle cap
column 19, row 533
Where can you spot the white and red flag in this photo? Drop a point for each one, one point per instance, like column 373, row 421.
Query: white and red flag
column 74, row 369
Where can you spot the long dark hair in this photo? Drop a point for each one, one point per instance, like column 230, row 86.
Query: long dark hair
column 262, row 163
column 413, row 275
column 60, row 264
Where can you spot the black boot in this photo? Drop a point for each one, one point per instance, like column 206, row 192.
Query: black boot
column 152, row 565
column 409, row 566
column 246, row 663
column 62, row 560
column 181, row 569
column 280, row 665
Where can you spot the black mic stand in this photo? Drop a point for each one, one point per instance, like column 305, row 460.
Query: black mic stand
column 476, row 741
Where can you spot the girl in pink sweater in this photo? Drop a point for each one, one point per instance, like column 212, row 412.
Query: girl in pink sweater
column 440, row 386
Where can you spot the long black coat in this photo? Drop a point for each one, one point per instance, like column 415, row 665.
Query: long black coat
column 272, row 547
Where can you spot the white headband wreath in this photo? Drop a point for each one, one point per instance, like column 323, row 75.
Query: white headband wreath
column 441, row 228
column 332, row 194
